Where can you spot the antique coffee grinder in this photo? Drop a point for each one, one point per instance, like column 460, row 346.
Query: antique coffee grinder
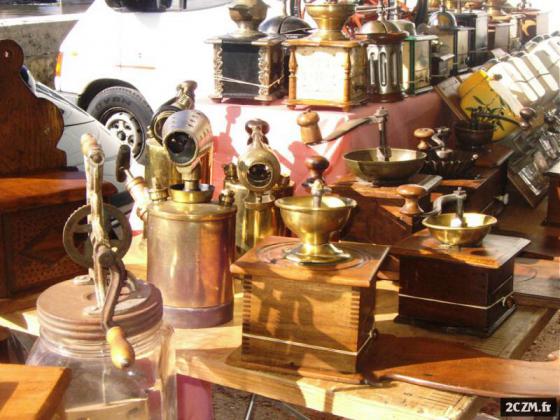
column 455, row 38
column 375, row 175
column 327, row 68
column 385, row 58
column 195, row 293
column 248, row 64
column 456, row 245
column 478, row 38
column 105, row 325
column 292, row 285
column 259, row 172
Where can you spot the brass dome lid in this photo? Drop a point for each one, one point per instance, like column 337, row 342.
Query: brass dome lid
column 379, row 26
column 443, row 19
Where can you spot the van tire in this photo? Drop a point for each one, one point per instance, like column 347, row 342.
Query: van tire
column 126, row 114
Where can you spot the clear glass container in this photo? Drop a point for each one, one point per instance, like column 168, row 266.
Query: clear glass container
column 98, row 389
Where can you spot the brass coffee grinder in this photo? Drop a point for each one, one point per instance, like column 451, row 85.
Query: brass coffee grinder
column 190, row 239
column 292, row 285
column 259, row 173
column 327, row 68
column 248, row 64
column 455, row 38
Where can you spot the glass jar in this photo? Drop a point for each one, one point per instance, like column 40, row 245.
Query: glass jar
column 71, row 336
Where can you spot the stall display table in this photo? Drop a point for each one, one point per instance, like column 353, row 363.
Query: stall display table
column 202, row 354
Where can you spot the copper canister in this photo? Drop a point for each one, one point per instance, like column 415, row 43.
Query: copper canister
column 190, row 249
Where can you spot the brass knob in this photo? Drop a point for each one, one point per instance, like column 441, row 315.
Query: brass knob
column 309, row 127
column 422, row 134
column 317, row 165
column 527, row 114
column 411, row 193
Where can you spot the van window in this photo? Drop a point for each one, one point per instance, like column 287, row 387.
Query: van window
column 162, row 5
column 204, row 4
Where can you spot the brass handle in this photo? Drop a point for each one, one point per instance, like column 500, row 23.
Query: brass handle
column 122, row 353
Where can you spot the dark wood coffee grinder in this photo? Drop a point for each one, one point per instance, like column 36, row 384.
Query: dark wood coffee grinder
column 454, row 276
column 248, row 64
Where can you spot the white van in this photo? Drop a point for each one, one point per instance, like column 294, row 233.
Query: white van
column 121, row 65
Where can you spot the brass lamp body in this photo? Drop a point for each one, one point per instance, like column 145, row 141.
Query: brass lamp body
column 190, row 239
column 259, row 174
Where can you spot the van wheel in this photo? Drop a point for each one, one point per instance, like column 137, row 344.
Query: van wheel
column 126, row 114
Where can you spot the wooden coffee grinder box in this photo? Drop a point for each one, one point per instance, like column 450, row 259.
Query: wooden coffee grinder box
column 313, row 320
column 465, row 290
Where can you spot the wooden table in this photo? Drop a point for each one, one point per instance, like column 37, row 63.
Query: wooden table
column 202, row 353
column 31, row 392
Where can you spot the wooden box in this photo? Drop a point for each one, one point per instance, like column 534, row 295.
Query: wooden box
column 553, row 210
column 313, row 320
column 459, row 290
column 377, row 218
column 327, row 73
column 248, row 68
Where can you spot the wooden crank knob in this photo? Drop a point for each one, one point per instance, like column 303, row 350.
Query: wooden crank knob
column 422, row 135
column 412, row 194
column 317, row 165
column 308, row 122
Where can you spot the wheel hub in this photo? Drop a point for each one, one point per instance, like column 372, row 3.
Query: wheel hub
column 126, row 129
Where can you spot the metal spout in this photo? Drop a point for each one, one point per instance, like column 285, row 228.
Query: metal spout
column 381, row 116
column 458, row 196
column 318, row 189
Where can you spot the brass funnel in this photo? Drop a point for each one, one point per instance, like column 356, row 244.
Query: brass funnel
column 477, row 227
column 330, row 19
column 314, row 226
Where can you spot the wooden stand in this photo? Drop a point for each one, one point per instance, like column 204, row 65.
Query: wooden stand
column 456, row 290
column 377, row 218
column 313, row 321
column 553, row 210
column 337, row 80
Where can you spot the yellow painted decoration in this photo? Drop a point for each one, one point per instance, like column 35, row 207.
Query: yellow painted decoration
column 480, row 90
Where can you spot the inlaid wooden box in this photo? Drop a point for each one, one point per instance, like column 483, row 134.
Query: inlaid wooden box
column 458, row 290
column 327, row 73
column 313, row 320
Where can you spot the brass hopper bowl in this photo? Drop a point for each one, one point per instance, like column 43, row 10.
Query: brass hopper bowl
column 444, row 229
column 330, row 19
column 372, row 166
column 316, row 218
column 314, row 226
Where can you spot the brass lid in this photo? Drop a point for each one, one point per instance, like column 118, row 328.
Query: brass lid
column 66, row 311
column 380, row 26
column 199, row 212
